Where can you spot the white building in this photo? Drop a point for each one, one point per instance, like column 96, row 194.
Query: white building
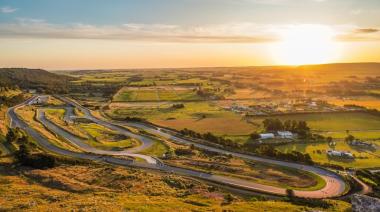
column 39, row 100
column 285, row 134
column 266, row 135
column 339, row 154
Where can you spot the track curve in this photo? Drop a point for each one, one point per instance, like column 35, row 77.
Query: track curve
column 335, row 186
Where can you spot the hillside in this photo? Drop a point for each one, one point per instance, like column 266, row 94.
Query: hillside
column 105, row 188
column 33, row 79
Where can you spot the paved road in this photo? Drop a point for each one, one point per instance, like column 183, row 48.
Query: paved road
column 146, row 142
column 334, row 184
column 84, row 146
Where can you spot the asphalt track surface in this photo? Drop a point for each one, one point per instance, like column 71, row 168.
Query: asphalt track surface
column 334, row 187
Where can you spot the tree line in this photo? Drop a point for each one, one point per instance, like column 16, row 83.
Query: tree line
column 210, row 137
column 294, row 126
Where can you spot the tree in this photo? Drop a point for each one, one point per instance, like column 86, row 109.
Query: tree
column 273, row 125
column 22, row 140
column 228, row 199
column 23, row 153
column 255, row 136
column 349, row 138
column 11, row 135
column 288, row 125
column 290, row 193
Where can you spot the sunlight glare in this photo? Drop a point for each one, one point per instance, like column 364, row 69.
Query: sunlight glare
column 306, row 44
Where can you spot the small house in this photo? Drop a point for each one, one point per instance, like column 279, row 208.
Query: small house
column 266, row 135
column 285, row 134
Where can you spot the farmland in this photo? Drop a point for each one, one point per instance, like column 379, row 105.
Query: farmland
column 364, row 158
column 133, row 94
column 337, row 121
column 199, row 116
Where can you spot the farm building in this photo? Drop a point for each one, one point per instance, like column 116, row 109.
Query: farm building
column 335, row 153
column 285, row 134
column 359, row 143
column 266, row 135
column 39, row 100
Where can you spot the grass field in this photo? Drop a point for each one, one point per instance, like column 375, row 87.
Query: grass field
column 56, row 116
column 198, row 116
column 158, row 149
column 364, row 158
column 368, row 102
column 336, row 121
column 256, row 171
column 104, row 138
column 362, row 134
column 163, row 93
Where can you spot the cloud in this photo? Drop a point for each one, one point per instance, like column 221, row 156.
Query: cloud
column 357, row 34
column 7, row 9
column 224, row 33
column 229, row 33
column 356, row 12
column 367, row 30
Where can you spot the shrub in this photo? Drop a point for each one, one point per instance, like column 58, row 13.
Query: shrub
column 180, row 152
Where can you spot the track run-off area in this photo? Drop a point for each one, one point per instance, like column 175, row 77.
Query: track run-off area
column 335, row 186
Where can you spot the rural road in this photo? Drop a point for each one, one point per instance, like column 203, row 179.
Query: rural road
column 335, row 186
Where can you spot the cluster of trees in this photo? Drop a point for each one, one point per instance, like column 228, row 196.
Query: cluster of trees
column 12, row 100
column 210, row 137
column 105, row 89
column 299, row 127
column 270, row 151
column 182, row 151
column 24, row 154
column 208, row 94
column 39, row 160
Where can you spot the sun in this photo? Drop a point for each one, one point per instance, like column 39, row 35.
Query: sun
column 306, row 44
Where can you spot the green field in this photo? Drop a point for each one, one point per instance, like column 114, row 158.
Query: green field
column 127, row 94
column 336, row 121
column 364, row 158
column 55, row 112
column 362, row 134
column 104, row 138
column 199, row 116
column 158, row 149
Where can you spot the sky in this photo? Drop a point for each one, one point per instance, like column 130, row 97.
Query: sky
column 96, row 34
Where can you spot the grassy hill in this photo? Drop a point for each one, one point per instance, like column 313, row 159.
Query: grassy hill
column 33, row 79
column 105, row 188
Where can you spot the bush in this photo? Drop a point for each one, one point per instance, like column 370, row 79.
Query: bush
column 178, row 106
column 314, row 203
column 39, row 161
column 290, row 193
column 228, row 198
column 254, row 136
column 180, row 152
